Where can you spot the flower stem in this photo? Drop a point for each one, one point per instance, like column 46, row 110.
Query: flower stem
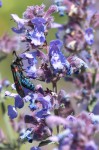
column 55, row 110
column 94, row 78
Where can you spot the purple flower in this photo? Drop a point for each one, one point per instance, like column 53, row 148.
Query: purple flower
column 12, row 113
column 26, row 134
column 26, row 56
column 39, row 24
column 91, row 146
column 38, row 20
column 61, row 9
column 35, row 148
column 35, row 24
column 26, row 91
column 56, row 43
column 0, row 3
column 76, row 63
column 32, row 10
column 56, row 25
column 18, row 102
column 7, row 93
column 31, row 98
column 18, row 31
column 63, row 96
column 49, row 12
column 20, row 24
column 6, row 83
column 32, row 106
column 8, row 44
column 45, row 101
column 71, row 118
column 36, row 38
column 89, row 37
column 27, row 98
column 94, row 118
column 0, row 87
column 53, row 121
column 61, row 136
column 85, row 56
column 96, row 109
column 57, row 59
column 31, row 71
column 31, row 57
column 42, row 114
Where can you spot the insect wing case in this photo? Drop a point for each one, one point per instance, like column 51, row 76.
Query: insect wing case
column 16, row 76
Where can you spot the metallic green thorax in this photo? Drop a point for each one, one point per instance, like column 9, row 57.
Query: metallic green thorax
column 20, row 79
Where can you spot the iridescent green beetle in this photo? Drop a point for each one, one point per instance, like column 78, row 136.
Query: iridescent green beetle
column 19, row 78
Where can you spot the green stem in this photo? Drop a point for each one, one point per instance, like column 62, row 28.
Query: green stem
column 3, row 108
column 94, row 78
column 54, row 87
column 7, row 123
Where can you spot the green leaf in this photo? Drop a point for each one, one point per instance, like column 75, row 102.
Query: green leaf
column 43, row 143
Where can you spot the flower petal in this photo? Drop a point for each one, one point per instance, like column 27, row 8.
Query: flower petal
column 12, row 113
column 19, row 102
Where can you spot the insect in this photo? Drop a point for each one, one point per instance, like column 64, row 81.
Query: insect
column 19, row 78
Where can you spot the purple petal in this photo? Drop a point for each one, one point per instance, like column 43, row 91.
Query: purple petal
column 0, row 87
column 12, row 113
column 26, row 55
column 42, row 55
column 76, row 63
column 27, row 98
column 13, row 86
column 19, row 102
column 45, row 101
column 62, row 95
column 26, row 91
column 38, row 20
column 96, row 109
column 91, row 146
column 52, row 121
column 42, row 113
column 56, row 25
column 52, row 9
column 57, row 59
column 6, row 83
column 71, row 118
column 57, row 43
column 35, row 148
column 7, row 93
column 20, row 22
column 37, row 38
column 18, row 31
column 89, row 36
column 40, row 28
